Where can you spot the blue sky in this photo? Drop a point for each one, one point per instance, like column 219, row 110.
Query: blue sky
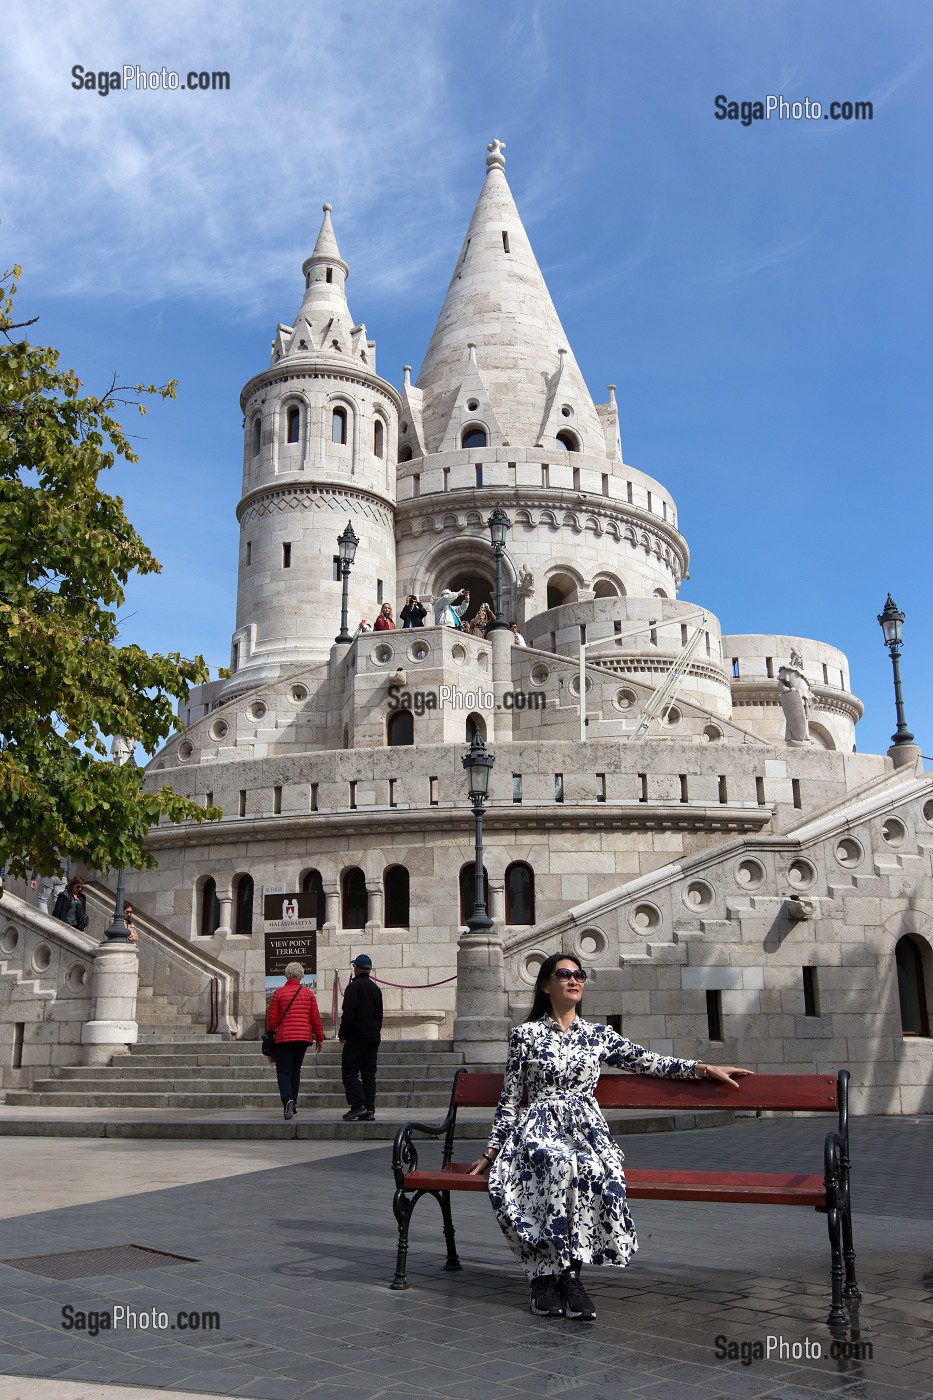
column 761, row 295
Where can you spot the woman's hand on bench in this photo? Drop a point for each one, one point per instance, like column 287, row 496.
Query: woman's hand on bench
column 723, row 1073
column 482, row 1164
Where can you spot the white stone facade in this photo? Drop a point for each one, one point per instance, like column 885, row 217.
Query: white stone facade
column 715, row 878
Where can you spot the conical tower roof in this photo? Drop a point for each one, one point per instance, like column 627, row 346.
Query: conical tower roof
column 324, row 324
column 498, row 303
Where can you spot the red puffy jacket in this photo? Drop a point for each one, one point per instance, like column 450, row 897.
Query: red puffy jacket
column 301, row 1021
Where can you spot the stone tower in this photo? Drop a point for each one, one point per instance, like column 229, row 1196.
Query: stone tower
column 320, row 435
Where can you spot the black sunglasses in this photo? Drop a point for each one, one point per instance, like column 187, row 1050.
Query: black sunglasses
column 570, row 974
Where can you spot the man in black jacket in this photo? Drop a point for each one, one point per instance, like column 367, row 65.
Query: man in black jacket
column 359, row 1033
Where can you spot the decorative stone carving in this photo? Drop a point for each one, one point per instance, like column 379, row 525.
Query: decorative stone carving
column 796, row 699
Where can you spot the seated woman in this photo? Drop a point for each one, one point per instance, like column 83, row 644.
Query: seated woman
column 556, row 1180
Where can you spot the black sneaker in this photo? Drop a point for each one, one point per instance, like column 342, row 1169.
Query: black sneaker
column 290, row 1109
column 353, row 1113
column 578, row 1304
column 545, row 1298
column 367, row 1116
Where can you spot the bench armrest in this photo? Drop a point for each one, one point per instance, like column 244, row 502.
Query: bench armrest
column 404, row 1151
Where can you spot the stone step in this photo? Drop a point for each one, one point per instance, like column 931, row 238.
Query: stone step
column 97, row 1082
column 116, row 1100
column 432, row 1049
column 235, row 1075
column 162, row 1056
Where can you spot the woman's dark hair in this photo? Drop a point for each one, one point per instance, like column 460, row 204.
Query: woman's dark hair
column 541, row 1006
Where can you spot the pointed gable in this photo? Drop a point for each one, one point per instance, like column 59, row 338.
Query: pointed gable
column 498, row 300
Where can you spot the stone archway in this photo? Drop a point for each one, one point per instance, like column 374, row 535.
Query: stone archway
column 465, row 561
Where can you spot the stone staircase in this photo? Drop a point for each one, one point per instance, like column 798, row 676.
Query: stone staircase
column 210, row 1074
column 160, row 1020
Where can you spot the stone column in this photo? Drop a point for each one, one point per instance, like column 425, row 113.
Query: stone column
column 331, row 908
column 376, row 902
column 115, row 981
column 225, row 900
column 481, row 1028
column 902, row 755
column 497, row 902
column 502, row 644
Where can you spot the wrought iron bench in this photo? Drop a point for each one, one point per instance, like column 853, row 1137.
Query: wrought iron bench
column 781, row 1093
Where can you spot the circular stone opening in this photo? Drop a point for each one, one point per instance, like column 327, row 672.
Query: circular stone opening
column 382, row 654
column 299, row 693
column 712, row 734
column 41, row 957
column 624, row 699
column 644, row 918
column 482, row 661
column 540, row 673
column 848, row 852
column 418, row 651
column 9, row 939
column 928, row 811
column 698, row 895
column 894, row 831
column 472, row 405
column 458, row 652
column 185, row 749
column 801, row 873
column 219, row 729
column 76, row 981
column 673, row 716
column 749, row 873
column 532, row 966
column 567, row 411
column 591, row 943
column 257, row 710
column 574, row 686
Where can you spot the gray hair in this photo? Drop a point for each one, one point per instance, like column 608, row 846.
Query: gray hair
column 294, row 972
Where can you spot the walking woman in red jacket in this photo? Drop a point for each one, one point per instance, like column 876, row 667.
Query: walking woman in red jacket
column 294, row 1017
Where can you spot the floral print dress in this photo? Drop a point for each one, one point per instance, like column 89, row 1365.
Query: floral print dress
column 558, row 1186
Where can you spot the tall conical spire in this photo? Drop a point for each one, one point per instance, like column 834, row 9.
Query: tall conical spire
column 324, row 323
column 498, row 301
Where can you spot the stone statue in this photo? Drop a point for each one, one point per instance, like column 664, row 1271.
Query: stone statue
column 796, row 699
column 526, row 582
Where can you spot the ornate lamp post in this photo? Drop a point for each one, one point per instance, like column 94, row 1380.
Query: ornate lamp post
column 346, row 545
column 499, row 526
column 892, row 625
column 478, row 764
column 121, row 751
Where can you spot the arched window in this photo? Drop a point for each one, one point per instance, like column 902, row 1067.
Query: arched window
column 567, row 441
column 473, row 437
column 210, row 908
column 355, row 900
column 311, row 883
column 468, row 893
column 396, row 885
column 243, row 904
column 915, row 1019
column 257, row 435
column 339, row 426
column 400, row 729
column 294, row 425
column 405, row 453
column 379, row 438
column 475, row 724
column 519, row 894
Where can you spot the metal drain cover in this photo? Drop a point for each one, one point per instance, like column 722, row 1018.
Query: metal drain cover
column 89, row 1263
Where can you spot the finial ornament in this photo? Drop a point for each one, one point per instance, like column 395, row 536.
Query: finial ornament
column 495, row 160
column 327, row 208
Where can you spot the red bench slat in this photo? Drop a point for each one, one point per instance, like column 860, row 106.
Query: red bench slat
column 785, row 1188
column 802, row 1092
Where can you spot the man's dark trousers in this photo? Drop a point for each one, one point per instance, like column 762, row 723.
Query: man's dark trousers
column 359, row 1073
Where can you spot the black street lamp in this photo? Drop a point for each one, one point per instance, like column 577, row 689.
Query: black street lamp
column 892, row 625
column 478, row 764
column 121, row 751
column 346, row 545
column 499, row 526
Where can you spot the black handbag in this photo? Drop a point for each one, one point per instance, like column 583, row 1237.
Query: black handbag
column 268, row 1037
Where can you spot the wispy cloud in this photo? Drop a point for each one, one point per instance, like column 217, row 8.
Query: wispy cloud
column 202, row 193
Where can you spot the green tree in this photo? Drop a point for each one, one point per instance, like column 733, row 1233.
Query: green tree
column 66, row 552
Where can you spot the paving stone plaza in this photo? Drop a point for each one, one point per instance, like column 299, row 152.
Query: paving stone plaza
column 301, row 1282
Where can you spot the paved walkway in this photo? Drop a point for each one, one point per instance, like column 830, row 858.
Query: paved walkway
column 292, row 1244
